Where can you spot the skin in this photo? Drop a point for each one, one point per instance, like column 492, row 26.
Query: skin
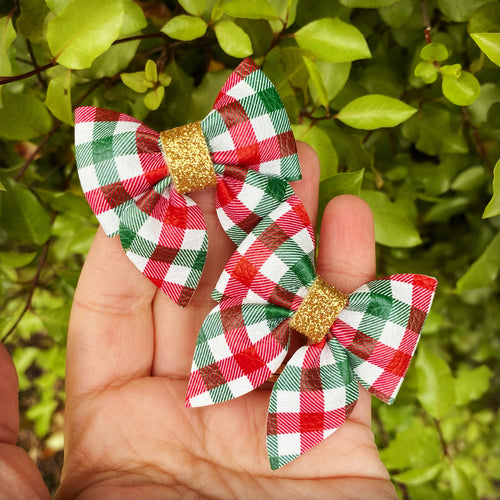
column 127, row 432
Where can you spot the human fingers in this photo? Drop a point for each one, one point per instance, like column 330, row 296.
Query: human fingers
column 346, row 259
column 177, row 329
column 110, row 337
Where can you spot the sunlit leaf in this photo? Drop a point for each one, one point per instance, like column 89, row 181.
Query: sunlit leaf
column 153, row 99
column 436, row 387
column 317, row 81
column 375, row 111
column 7, row 36
column 194, row 7
column 136, row 81
column 16, row 259
column 232, row 39
column 461, row 486
column 333, row 40
column 463, row 90
column 472, row 384
column 418, row 475
column 58, row 99
column 185, row 27
column 250, row 9
column 392, row 227
column 434, row 52
column 84, row 30
column 367, row 4
column 493, row 207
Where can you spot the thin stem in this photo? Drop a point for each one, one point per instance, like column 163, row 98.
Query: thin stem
column 42, row 81
column 427, row 22
column 477, row 140
column 34, row 283
column 444, row 446
column 158, row 34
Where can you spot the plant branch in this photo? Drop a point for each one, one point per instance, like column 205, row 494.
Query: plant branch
column 444, row 446
column 157, row 34
column 427, row 22
column 34, row 283
column 36, row 71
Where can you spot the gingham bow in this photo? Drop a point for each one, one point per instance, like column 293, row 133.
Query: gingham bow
column 129, row 187
column 245, row 338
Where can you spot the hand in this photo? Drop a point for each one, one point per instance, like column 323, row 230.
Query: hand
column 128, row 434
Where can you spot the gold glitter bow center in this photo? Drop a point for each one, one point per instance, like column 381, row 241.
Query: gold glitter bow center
column 188, row 158
column 318, row 311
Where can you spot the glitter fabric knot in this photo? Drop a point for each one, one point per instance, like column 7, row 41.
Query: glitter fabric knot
column 267, row 287
column 244, row 146
column 318, row 311
column 188, row 158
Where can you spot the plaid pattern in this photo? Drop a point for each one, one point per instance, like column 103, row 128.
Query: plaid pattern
column 371, row 341
column 311, row 399
column 381, row 327
column 239, row 347
column 123, row 174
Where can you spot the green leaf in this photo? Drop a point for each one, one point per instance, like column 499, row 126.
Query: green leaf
column 153, row 100
column 58, row 98
column 7, row 36
column 134, row 19
column 151, row 71
column 250, row 9
column 416, row 445
column 459, row 10
column 427, row 71
column 493, row 207
column 317, row 81
column 205, row 94
column 136, row 81
column 318, row 139
column 418, row 475
column 392, row 227
column 56, row 321
column 470, row 179
column 374, row 111
column 30, row 22
column 463, row 90
column 436, row 387
column 84, row 30
column 23, row 217
column 451, row 70
column 185, row 27
column 472, row 384
column 233, row 40
column 367, row 4
column 434, row 51
column 446, row 208
column 484, row 271
column 334, row 77
column 333, row 40
column 489, row 43
column 337, row 184
column 23, row 117
column 194, row 7
column 57, row 6
column 113, row 61
column 397, row 14
column 461, row 486
column 16, row 259
column 41, row 413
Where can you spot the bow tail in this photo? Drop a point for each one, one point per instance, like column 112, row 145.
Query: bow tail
column 239, row 347
column 381, row 327
column 311, row 399
column 164, row 234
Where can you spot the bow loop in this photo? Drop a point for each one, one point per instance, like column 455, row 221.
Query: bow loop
column 381, row 327
column 240, row 345
column 311, row 399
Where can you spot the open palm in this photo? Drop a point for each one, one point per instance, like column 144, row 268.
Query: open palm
column 127, row 432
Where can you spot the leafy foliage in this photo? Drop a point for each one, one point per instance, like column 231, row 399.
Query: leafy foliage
column 400, row 99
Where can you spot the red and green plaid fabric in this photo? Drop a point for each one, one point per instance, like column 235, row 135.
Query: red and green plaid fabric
column 128, row 186
column 246, row 336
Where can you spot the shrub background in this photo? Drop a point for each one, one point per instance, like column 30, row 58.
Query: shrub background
column 400, row 98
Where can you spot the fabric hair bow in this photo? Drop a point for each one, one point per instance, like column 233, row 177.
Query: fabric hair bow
column 135, row 179
column 268, row 289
